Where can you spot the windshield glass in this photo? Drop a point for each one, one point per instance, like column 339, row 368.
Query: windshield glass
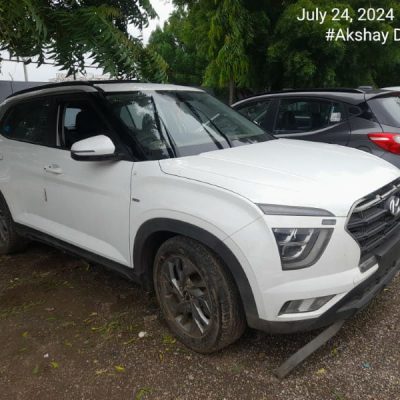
column 182, row 123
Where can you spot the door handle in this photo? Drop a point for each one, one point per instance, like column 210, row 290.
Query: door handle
column 53, row 169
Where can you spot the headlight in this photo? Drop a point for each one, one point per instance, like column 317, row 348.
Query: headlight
column 301, row 247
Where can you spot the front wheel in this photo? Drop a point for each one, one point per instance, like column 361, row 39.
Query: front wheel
column 10, row 241
column 198, row 298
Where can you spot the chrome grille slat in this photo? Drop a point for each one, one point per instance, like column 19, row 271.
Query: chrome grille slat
column 389, row 192
column 372, row 230
column 370, row 222
column 366, row 220
column 375, row 201
column 368, row 205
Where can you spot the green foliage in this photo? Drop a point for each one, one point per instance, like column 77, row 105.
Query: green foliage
column 256, row 44
column 368, row 62
column 261, row 45
column 230, row 32
column 177, row 45
column 235, row 28
column 214, row 42
column 70, row 30
column 301, row 57
column 299, row 49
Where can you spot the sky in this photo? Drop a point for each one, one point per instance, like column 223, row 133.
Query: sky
column 14, row 71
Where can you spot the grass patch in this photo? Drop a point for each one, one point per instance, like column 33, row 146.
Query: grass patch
column 15, row 310
column 142, row 392
column 121, row 324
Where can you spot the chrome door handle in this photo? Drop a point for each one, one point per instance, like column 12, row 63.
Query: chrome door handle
column 53, row 169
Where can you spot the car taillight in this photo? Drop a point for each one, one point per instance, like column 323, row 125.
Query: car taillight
column 387, row 141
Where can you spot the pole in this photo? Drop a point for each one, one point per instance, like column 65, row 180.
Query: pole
column 25, row 71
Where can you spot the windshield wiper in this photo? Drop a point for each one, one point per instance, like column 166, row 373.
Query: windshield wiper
column 210, row 121
column 196, row 111
column 159, row 121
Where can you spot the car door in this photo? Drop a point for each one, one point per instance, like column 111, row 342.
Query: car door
column 87, row 202
column 25, row 138
column 315, row 119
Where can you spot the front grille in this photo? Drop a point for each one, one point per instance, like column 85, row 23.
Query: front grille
column 371, row 221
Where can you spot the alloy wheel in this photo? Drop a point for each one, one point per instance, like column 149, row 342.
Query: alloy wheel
column 186, row 295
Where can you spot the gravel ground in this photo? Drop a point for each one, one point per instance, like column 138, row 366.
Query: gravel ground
column 72, row 331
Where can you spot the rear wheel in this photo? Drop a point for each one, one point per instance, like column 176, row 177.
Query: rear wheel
column 10, row 241
column 198, row 298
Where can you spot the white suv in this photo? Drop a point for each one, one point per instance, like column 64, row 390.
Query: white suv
column 178, row 192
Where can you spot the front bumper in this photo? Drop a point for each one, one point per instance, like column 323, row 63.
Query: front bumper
column 355, row 300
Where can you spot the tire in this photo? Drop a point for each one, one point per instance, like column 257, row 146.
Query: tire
column 10, row 241
column 197, row 296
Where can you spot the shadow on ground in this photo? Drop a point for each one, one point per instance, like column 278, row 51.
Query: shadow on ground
column 71, row 331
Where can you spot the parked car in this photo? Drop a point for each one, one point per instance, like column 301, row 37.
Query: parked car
column 368, row 120
column 393, row 88
column 174, row 190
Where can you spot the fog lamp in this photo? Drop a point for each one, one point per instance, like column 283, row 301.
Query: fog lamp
column 303, row 306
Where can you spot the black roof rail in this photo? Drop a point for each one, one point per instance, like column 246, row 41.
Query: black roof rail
column 71, row 83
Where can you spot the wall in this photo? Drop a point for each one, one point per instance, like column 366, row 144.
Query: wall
column 10, row 87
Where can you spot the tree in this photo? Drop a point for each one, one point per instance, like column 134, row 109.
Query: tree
column 260, row 44
column 68, row 31
column 229, row 62
column 299, row 55
column 225, row 36
column 176, row 43
column 371, row 63
column 300, row 51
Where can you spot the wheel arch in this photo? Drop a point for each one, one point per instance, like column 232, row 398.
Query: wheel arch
column 4, row 201
column 154, row 232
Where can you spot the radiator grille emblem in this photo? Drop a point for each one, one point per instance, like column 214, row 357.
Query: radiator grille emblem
column 393, row 205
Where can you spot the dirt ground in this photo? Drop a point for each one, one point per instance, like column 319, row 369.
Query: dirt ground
column 72, row 331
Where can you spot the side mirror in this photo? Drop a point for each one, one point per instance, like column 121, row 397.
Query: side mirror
column 96, row 148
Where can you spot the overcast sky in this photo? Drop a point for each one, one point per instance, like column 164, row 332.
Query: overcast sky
column 14, row 71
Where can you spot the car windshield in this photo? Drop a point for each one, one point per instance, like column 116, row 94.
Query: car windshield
column 182, row 123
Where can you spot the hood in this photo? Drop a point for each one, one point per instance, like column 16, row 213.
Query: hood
column 289, row 172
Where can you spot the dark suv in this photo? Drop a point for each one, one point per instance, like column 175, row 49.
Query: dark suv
column 367, row 120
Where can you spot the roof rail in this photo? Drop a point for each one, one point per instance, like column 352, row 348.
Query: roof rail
column 70, row 83
column 366, row 88
column 339, row 90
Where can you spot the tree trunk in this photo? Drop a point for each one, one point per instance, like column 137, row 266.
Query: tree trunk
column 231, row 92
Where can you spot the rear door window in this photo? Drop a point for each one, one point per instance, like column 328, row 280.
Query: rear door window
column 30, row 122
column 254, row 110
column 305, row 115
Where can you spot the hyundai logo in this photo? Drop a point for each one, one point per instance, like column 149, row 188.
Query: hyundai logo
column 393, row 205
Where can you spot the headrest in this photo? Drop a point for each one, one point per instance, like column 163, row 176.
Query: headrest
column 87, row 121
